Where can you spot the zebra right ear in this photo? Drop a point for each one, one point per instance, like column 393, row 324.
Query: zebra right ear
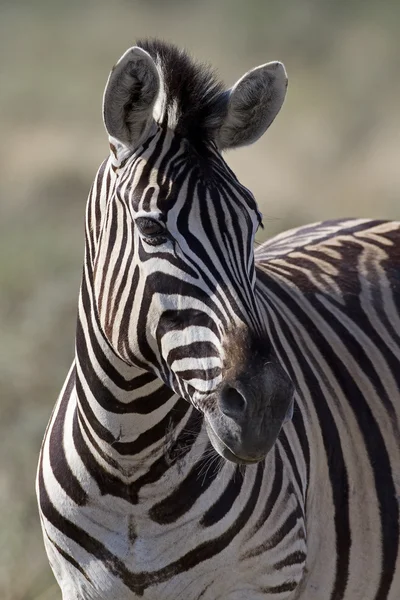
column 129, row 97
column 252, row 105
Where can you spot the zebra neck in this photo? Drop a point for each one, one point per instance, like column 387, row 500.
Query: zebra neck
column 127, row 415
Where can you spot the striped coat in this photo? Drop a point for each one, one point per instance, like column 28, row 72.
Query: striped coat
column 229, row 428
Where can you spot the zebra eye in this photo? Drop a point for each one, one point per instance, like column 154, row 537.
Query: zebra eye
column 150, row 227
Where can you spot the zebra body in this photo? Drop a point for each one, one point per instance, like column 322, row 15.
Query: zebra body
column 330, row 292
column 161, row 476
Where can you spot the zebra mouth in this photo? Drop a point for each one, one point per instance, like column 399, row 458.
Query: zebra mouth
column 226, row 452
column 289, row 412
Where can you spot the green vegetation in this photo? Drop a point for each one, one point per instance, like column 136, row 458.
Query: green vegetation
column 333, row 151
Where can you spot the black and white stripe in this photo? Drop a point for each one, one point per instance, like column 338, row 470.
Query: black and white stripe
column 165, row 472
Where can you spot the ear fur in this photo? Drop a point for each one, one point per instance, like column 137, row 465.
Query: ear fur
column 253, row 103
column 129, row 97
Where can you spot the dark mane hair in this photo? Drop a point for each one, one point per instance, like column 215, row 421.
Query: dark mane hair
column 193, row 92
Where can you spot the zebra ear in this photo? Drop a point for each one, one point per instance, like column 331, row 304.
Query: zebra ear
column 253, row 103
column 129, row 97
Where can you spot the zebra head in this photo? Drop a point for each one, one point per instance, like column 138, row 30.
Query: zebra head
column 174, row 274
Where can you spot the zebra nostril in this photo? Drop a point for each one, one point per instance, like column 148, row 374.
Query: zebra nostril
column 232, row 403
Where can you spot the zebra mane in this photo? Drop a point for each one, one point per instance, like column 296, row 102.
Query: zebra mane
column 192, row 102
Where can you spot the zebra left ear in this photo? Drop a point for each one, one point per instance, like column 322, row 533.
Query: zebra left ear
column 131, row 92
column 253, row 103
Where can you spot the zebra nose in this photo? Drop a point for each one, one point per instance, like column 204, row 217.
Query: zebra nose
column 232, row 403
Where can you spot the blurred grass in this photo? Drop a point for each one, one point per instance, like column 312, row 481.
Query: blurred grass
column 333, row 151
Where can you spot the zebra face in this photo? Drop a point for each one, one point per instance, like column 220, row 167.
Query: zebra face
column 176, row 293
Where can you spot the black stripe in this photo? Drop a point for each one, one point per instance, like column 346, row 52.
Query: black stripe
column 203, row 374
column 110, row 314
column 58, row 461
column 192, row 350
column 276, row 488
column 290, row 456
column 224, row 503
column 69, row 558
column 289, row 525
column 294, row 558
column 186, row 494
column 280, row 589
column 110, row 228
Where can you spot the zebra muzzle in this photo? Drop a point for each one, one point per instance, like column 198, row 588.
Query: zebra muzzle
column 248, row 414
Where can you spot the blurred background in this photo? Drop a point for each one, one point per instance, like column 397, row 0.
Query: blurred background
column 333, row 151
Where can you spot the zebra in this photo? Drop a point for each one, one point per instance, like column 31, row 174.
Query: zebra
column 229, row 428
